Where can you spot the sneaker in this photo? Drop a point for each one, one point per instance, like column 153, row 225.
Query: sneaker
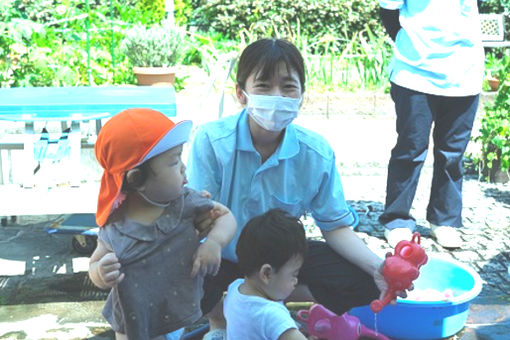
column 216, row 334
column 446, row 236
column 394, row 236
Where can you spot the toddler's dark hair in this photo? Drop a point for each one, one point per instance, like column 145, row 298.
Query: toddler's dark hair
column 274, row 238
column 139, row 178
column 264, row 55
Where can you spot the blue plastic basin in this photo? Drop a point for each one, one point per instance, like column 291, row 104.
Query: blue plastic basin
column 429, row 319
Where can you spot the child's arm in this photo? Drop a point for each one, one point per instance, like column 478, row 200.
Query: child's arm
column 294, row 334
column 104, row 267
column 207, row 258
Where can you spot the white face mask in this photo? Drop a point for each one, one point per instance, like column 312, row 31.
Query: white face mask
column 272, row 113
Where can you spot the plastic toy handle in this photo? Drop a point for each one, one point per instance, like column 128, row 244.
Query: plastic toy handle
column 302, row 315
column 416, row 235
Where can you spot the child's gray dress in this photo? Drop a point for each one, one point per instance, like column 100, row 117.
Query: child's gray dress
column 158, row 294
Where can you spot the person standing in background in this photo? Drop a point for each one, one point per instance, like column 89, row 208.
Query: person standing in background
column 436, row 77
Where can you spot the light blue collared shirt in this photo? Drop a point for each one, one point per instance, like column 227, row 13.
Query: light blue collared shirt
column 439, row 49
column 299, row 177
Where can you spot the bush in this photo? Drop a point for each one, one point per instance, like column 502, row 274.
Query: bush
column 68, row 43
column 182, row 12
column 495, row 130
column 156, row 9
column 341, row 18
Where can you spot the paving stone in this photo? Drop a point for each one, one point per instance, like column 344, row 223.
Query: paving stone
column 489, row 253
column 445, row 256
column 490, row 290
column 492, row 279
column 490, row 266
column 466, row 256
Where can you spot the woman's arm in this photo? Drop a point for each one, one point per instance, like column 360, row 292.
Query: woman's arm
column 345, row 242
column 390, row 21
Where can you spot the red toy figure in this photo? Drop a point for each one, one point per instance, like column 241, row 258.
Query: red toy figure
column 325, row 324
column 401, row 269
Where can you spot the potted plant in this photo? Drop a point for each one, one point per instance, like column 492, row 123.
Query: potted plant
column 153, row 52
column 493, row 82
column 495, row 69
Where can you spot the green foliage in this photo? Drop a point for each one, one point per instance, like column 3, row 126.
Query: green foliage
column 69, row 42
column 78, row 42
column 182, row 12
column 159, row 45
column 340, row 18
column 154, row 10
column 495, row 129
column 60, row 43
column 361, row 64
column 496, row 63
column 495, row 6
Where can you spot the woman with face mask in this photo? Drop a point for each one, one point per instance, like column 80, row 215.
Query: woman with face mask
column 258, row 160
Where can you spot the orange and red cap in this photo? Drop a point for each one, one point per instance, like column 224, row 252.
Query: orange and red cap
column 127, row 140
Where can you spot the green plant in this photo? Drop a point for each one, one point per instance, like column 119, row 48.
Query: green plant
column 156, row 8
column 495, row 63
column 340, row 18
column 182, row 11
column 64, row 43
column 495, row 130
column 157, row 46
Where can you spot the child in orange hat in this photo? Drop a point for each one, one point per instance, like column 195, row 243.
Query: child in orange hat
column 149, row 251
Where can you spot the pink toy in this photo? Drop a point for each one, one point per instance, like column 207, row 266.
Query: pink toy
column 401, row 269
column 323, row 323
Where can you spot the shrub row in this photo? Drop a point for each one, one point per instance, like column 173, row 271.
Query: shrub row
column 341, row 18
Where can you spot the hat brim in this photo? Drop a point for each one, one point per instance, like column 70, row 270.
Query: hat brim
column 178, row 135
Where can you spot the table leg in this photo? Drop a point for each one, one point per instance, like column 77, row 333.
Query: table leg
column 75, row 146
column 6, row 166
column 98, row 125
column 28, row 150
column 2, row 177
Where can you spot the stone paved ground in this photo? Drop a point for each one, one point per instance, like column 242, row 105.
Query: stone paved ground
column 44, row 291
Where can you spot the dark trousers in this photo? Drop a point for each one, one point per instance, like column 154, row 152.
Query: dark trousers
column 334, row 282
column 453, row 120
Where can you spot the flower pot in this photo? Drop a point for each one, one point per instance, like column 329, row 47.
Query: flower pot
column 493, row 83
column 154, row 76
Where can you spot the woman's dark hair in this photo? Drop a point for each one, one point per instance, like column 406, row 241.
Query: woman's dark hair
column 264, row 56
column 274, row 238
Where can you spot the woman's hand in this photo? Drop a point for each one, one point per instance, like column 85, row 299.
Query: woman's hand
column 207, row 259
column 381, row 283
column 205, row 221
